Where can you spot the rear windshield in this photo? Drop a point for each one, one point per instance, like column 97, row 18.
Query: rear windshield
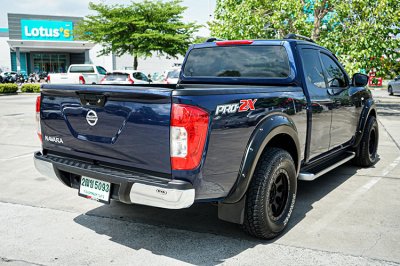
column 238, row 61
column 117, row 76
column 81, row 69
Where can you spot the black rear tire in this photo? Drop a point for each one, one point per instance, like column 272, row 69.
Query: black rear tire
column 367, row 150
column 271, row 195
column 390, row 90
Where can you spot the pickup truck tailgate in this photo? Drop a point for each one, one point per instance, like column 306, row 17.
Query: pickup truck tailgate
column 127, row 126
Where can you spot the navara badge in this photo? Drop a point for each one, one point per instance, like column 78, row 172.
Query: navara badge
column 91, row 117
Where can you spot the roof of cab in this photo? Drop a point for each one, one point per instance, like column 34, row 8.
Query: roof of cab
column 212, row 42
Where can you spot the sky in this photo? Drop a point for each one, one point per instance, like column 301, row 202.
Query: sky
column 198, row 10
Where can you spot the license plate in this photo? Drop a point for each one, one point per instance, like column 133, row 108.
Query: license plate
column 94, row 189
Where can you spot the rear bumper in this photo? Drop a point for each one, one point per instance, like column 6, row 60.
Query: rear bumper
column 131, row 187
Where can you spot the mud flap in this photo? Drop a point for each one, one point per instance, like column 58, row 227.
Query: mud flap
column 232, row 212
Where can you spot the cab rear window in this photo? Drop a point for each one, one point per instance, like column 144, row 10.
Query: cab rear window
column 116, row 76
column 81, row 69
column 238, row 61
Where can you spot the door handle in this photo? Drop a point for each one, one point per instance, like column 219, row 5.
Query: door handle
column 98, row 100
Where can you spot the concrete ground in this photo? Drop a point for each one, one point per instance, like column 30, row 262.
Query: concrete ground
column 350, row 216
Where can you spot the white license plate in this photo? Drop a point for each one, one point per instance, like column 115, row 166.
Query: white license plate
column 94, row 189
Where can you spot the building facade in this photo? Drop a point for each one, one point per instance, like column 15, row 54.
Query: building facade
column 41, row 43
column 44, row 43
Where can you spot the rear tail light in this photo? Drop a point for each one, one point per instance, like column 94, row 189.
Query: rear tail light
column 48, row 79
column 131, row 81
column 39, row 130
column 235, row 42
column 188, row 132
column 81, row 80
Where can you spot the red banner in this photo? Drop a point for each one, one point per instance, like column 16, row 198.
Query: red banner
column 374, row 81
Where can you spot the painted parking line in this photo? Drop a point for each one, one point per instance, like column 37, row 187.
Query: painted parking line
column 342, row 206
column 388, row 134
column 349, row 201
column 30, row 154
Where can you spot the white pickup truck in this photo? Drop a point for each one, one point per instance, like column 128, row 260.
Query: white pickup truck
column 79, row 74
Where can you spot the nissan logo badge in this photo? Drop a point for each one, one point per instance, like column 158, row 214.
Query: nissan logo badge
column 91, row 117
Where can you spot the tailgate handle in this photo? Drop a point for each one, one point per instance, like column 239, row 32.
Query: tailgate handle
column 89, row 99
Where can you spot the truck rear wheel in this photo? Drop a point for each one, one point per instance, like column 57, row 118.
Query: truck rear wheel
column 367, row 150
column 271, row 195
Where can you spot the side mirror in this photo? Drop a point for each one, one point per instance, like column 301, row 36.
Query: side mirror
column 359, row 80
column 396, row 78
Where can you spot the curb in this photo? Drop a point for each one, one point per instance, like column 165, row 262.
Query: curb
column 9, row 94
column 377, row 88
column 387, row 104
column 19, row 93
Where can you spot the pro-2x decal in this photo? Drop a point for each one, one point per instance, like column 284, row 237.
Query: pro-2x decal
column 242, row 106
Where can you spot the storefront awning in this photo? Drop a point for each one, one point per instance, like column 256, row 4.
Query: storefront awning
column 50, row 46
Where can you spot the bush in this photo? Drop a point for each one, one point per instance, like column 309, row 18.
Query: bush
column 8, row 88
column 30, row 88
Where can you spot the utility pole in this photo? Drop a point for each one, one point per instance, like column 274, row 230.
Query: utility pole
column 209, row 11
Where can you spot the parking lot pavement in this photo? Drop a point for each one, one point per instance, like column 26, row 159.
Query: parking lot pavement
column 348, row 216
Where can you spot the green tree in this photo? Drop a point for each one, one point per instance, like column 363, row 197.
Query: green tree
column 258, row 19
column 285, row 17
column 358, row 31
column 320, row 9
column 237, row 19
column 361, row 34
column 139, row 29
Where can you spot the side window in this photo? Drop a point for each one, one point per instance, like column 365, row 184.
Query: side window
column 136, row 75
column 334, row 75
column 101, row 70
column 143, row 76
column 313, row 71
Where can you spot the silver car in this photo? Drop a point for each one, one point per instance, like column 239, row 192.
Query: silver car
column 125, row 77
column 394, row 86
column 172, row 76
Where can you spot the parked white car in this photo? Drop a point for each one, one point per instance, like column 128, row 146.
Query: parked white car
column 394, row 86
column 125, row 77
column 172, row 76
column 79, row 74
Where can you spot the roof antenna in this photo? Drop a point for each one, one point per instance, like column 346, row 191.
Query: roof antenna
column 213, row 39
column 297, row 36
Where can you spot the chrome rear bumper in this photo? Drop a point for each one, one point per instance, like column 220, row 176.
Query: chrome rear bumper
column 134, row 187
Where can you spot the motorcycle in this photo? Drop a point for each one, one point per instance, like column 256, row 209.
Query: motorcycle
column 20, row 79
column 33, row 78
column 43, row 75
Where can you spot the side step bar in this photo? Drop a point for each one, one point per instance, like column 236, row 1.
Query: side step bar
column 306, row 176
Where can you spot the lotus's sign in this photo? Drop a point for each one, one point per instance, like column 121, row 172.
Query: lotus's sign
column 46, row 30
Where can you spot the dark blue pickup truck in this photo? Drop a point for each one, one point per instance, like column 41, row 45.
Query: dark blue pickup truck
column 246, row 121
